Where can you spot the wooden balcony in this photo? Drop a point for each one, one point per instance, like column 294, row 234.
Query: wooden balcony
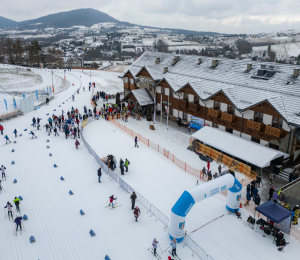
column 251, row 125
column 183, row 104
column 273, row 131
column 228, row 117
column 213, row 113
column 194, row 108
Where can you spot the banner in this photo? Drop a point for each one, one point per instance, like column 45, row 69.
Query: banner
column 5, row 103
column 37, row 95
column 196, row 122
column 23, row 95
column 285, row 225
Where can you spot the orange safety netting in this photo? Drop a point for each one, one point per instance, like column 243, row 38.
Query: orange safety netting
column 179, row 163
column 153, row 146
column 193, row 171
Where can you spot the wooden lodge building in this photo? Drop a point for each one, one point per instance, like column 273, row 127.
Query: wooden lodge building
column 254, row 100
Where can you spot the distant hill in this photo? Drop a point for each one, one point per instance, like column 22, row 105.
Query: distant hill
column 4, row 22
column 85, row 17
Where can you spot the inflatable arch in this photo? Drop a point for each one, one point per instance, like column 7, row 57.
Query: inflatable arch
column 188, row 199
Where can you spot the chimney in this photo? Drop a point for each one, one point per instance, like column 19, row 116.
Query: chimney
column 157, row 61
column 296, row 73
column 165, row 70
column 249, row 66
column 214, row 63
column 175, row 60
column 199, row 61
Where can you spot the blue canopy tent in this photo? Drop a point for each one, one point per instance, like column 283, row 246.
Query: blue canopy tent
column 277, row 214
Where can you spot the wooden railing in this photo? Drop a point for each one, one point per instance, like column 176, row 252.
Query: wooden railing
column 228, row 117
column 213, row 113
column 273, row 131
column 255, row 125
column 183, row 104
column 194, row 107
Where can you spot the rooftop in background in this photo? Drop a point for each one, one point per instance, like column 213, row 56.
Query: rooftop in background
column 244, row 85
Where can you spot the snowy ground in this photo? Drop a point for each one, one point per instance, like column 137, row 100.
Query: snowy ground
column 54, row 219
column 282, row 50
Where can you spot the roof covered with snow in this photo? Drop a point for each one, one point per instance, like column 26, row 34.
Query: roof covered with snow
column 143, row 97
column 239, row 147
column 244, row 88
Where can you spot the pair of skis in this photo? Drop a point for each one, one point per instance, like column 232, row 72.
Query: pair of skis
column 156, row 255
column 175, row 257
column 115, row 206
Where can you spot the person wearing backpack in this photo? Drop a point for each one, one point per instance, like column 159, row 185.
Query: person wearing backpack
column 126, row 164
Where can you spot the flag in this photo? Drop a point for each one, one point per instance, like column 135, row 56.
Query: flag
column 5, row 103
column 23, row 95
column 37, row 95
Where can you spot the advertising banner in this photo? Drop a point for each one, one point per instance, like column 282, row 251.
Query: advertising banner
column 196, row 122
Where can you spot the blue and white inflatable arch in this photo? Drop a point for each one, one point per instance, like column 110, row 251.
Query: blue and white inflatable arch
column 201, row 192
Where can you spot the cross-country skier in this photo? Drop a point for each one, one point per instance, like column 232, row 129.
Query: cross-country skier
column 133, row 198
column 122, row 166
column 32, row 135
column 173, row 244
column 2, row 169
column 73, row 97
column 17, row 203
column 154, row 244
column 38, row 126
column 126, row 164
column 136, row 142
column 18, row 221
column 136, row 213
column 15, row 132
column 99, row 174
column 1, row 129
column 47, row 126
column 77, row 143
column 111, row 201
column 7, row 139
column 33, row 121
column 9, row 210
column 55, row 131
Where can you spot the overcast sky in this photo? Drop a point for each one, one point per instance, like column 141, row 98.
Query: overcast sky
column 224, row 16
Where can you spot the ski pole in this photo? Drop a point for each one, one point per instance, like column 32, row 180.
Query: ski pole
column 167, row 248
column 160, row 249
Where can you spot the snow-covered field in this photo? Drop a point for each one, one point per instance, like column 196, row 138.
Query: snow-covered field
column 53, row 215
column 282, row 50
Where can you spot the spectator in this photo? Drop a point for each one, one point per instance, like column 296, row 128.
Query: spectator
column 275, row 196
column 257, row 200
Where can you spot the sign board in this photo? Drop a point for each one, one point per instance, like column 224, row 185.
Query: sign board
column 165, row 102
column 196, row 122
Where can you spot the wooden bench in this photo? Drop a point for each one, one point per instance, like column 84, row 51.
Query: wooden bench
column 11, row 114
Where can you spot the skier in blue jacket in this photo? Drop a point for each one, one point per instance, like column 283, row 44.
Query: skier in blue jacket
column 7, row 139
column 15, row 132
column 32, row 134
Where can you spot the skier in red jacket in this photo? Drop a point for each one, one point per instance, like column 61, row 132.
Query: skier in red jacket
column 136, row 213
column 1, row 129
column 77, row 143
column 111, row 200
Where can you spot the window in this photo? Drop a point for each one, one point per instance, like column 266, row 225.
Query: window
column 126, row 80
column 215, row 125
column 274, row 146
column 162, row 90
column 150, row 87
column 230, row 109
column 132, row 81
column 256, row 140
column 185, row 116
column 258, row 117
column 185, row 96
column 277, row 122
column 229, row 130
column 196, row 99
column 217, row 105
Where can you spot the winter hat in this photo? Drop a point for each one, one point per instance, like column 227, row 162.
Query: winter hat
column 169, row 258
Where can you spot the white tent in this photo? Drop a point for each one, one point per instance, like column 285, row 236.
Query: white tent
column 238, row 147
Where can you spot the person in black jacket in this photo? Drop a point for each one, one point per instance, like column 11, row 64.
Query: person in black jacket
column 122, row 166
column 257, row 200
column 99, row 174
column 133, row 198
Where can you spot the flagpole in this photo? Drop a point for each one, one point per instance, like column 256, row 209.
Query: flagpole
column 161, row 108
column 168, row 111
column 154, row 106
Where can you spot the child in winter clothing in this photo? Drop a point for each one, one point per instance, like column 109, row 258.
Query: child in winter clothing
column 173, row 244
column 111, row 201
column 9, row 209
column 248, row 199
column 126, row 164
column 77, row 143
column 154, row 244
column 136, row 213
